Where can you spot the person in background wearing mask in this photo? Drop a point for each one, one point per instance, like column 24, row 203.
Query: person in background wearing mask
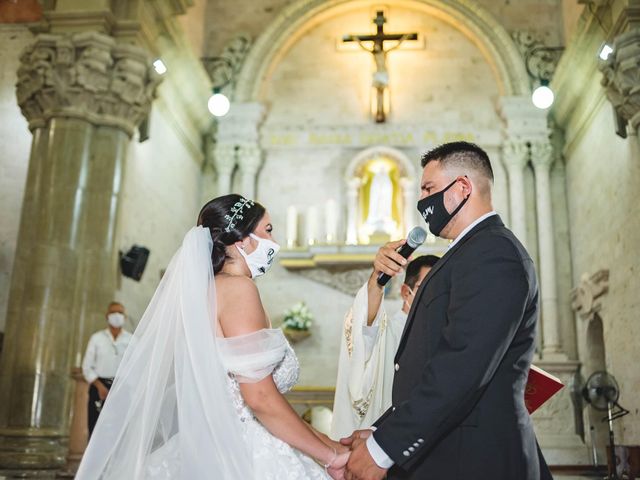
column 104, row 354
column 368, row 345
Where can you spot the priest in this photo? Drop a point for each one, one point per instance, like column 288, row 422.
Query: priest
column 368, row 344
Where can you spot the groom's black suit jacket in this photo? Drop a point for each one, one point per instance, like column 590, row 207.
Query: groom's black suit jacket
column 461, row 367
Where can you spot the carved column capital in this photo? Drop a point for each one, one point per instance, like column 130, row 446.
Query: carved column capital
column 85, row 75
column 621, row 76
column 224, row 157
column 249, row 157
column 515, row 153
column 542, row 156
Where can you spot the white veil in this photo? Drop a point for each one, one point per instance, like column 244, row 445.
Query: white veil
column 169, row 413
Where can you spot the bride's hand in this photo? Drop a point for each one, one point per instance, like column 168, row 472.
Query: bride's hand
column 338, row 446
column 337, row 468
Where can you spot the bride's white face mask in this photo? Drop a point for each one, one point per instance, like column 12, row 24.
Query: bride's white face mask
column 260, row 260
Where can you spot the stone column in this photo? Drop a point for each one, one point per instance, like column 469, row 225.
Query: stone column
column 409, row 192
column 353, row 184
column 83, row 96
column 249, row 162
column 542, row 158
column 224, row 160
column 239, row 129
column 620, row 77
column 515, row 155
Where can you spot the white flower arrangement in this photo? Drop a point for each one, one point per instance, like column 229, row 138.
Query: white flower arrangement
column 297, row 317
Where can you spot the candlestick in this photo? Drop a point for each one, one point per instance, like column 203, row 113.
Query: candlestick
column 292, row 227
column 312, row 225
column 331, row 221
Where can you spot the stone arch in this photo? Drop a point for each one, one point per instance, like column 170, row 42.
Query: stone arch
column 408, row 168
column 472, row 20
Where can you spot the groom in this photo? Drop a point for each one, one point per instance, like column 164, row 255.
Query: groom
column 461, row 368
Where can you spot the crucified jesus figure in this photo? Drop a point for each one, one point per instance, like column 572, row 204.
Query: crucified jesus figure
column 380, row 79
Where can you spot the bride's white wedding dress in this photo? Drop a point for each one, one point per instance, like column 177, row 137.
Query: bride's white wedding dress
column 272, row 458
column 175, row 410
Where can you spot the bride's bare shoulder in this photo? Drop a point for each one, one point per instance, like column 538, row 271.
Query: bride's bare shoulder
column 240, row 308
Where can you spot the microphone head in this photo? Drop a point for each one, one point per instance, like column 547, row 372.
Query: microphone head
column 416, row 237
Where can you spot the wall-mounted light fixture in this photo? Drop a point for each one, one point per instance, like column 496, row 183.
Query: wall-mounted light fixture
column 540, row 62
column 222, row 71
column 159, row 66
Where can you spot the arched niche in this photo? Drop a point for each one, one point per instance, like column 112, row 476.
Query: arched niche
column 381, row 194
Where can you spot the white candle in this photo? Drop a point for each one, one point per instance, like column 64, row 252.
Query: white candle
column 312, row 225
column 292, row 227
column 331, row 220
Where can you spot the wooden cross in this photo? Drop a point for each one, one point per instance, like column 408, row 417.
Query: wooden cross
column 380, row 76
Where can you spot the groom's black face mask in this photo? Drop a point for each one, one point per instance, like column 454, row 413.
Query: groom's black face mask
column 434, row 212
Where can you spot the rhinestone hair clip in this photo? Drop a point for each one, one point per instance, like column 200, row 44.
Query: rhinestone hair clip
column 236, row 213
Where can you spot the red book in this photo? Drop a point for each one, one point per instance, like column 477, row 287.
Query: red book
column 541, row 386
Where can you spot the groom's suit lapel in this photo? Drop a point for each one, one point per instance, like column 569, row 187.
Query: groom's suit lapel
column 491, row 221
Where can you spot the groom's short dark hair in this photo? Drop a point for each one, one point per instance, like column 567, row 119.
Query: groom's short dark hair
column 462, row 154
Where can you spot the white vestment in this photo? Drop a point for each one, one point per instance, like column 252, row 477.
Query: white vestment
column 366, row 367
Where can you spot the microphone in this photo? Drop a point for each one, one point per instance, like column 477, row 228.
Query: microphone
column 416, row 237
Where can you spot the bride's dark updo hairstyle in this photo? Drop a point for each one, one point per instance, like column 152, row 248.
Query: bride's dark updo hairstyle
column 214, row 216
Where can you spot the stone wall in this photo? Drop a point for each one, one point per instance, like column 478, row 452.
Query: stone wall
column 15, row 144
column 227, row 19
column 603, row 178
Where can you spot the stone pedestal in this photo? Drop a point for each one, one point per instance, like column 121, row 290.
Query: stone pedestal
column 83, row 96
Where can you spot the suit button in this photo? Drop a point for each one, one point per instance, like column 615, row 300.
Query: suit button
column 406, row 453
column 416, row 445
column 411, row 449
column 421, row 440
column 397, row 367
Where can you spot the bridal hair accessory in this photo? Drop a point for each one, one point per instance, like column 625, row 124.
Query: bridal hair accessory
column 236, row 213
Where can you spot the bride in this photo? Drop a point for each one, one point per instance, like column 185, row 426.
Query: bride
column 199, row 393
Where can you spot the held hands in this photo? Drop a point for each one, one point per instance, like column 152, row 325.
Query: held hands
column 389, row 261
column 336, row 467
column 361, row 465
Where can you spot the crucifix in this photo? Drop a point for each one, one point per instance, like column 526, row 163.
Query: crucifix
column 380, row 81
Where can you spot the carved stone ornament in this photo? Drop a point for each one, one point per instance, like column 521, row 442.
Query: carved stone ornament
column 586, row 297
column 621, row 76
column 348, row 282
column 515, row 153
column 85, row 75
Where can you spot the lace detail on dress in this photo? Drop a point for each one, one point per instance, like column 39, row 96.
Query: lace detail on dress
column 274, row 459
